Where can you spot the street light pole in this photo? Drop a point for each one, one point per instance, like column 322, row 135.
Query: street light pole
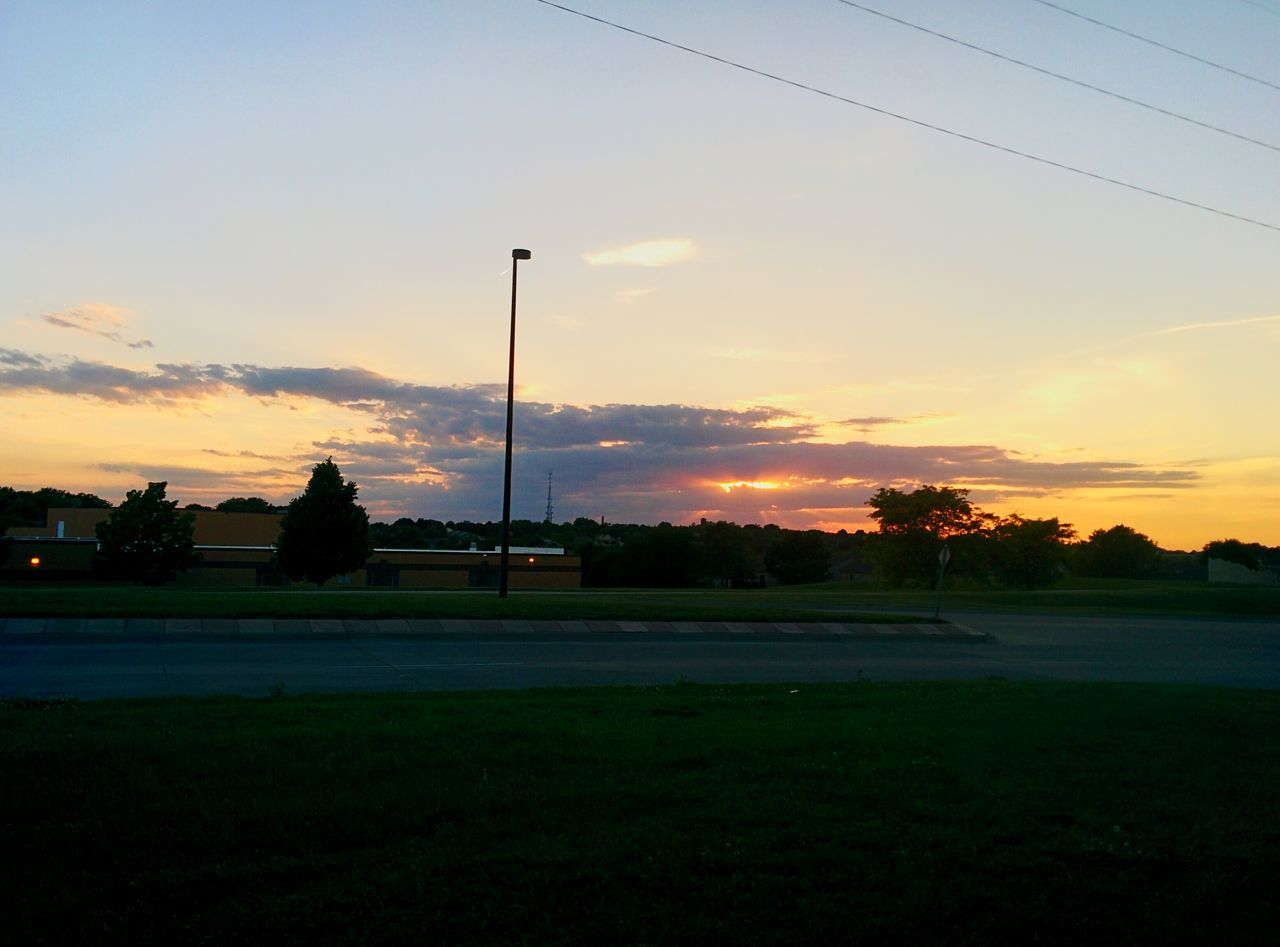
column 516, row 257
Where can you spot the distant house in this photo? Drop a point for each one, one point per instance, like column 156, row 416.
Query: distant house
column 237, row 549
column 1222, row 571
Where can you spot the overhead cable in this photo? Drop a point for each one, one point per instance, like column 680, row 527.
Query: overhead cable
column 913, row 121
column 1159, row 45
column 1262, row 6
column 1057, row 75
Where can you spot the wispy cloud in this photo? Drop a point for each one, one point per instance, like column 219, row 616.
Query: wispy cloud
column 645, row 253
column 628, row 296
column 1225, row 324
column 13, row 358
column 868, row 424
column 101, row 319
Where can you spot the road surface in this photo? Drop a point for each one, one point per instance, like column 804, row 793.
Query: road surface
column 1243, row 653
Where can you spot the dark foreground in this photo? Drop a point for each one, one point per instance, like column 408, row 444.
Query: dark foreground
column 958, row 813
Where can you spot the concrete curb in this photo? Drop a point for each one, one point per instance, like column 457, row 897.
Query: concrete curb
column 51, row 629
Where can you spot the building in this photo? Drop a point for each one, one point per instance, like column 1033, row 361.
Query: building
column 237, row 550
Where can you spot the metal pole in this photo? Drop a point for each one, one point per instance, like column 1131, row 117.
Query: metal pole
column 943, row 558
column 506, row 477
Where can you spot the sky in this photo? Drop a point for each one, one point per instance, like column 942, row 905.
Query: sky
column 237, row 238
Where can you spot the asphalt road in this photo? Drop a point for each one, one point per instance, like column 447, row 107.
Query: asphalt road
column 1243, row 653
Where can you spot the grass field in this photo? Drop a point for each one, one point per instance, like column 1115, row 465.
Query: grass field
column 835, row 601
column 639, row 605
column 952, row 813
column 1071, row 596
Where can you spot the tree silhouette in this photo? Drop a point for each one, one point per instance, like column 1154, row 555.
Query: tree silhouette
column 245, row 505
column 723, row 554
column 914, row 526
column 30, row 507
column 1120, row 552
column 796, row 557
column 1248, row 555
column 1029, row 553
column 324, row 532
column 146, row 539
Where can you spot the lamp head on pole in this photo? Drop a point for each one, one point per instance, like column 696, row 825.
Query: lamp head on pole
column 521, row 255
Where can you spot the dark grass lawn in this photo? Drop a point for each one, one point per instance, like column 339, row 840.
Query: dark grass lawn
column 628, row 604
column 957, row 813
column 1164, row 597
column 831, row 601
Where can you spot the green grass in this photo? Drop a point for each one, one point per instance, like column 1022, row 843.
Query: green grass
column 1071, row 596
column 634, row 605
column 832, row 601
column 956, row 813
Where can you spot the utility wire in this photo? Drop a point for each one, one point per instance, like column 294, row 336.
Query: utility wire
column 1058, row 75
column 1262, row 6
column 913, row 121
column 1157, row 44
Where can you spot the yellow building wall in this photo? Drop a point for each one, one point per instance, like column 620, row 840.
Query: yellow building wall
column 235, row 550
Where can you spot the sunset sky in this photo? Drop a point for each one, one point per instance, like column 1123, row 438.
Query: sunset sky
column 239, row 237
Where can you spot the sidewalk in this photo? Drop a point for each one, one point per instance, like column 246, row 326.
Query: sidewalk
column 493, row 629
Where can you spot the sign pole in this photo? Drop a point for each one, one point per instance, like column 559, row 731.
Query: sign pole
column 943, row 558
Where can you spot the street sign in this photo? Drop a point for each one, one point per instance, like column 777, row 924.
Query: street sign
column 943, row 558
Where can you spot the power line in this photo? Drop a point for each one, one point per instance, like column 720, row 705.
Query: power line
column 1159, row 45
column 1262, row 6
column 1058, row 75
column 914, row 121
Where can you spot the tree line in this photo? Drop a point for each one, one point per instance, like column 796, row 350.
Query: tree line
column 148, row 540
column 326, row 532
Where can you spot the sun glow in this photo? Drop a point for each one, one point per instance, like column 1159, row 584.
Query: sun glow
column 732, row 485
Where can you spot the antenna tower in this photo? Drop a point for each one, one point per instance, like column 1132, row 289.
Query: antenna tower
column 550, row 509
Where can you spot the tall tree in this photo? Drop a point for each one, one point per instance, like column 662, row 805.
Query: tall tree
column 324, row 532
column 1120, row 552
column 724, row 556
column 914, row 526
column 1248, row 555
column 942, row 512
column 146, row 539
column 1030, row 553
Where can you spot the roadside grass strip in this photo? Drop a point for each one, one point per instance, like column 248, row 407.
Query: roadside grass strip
column 942, row 812
column 830, row 601
column 72, row 604
column 508, row 629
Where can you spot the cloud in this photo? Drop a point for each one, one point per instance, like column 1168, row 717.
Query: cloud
column 252, row 455
column 629, row 296
column 101, row 319
column 16, row 359
column 871, row 423
column 646, row 253
column 1225, row 324
column 108, row 382
column 438, row 450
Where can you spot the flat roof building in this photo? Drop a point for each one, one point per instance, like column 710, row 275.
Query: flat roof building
column 237, row 549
